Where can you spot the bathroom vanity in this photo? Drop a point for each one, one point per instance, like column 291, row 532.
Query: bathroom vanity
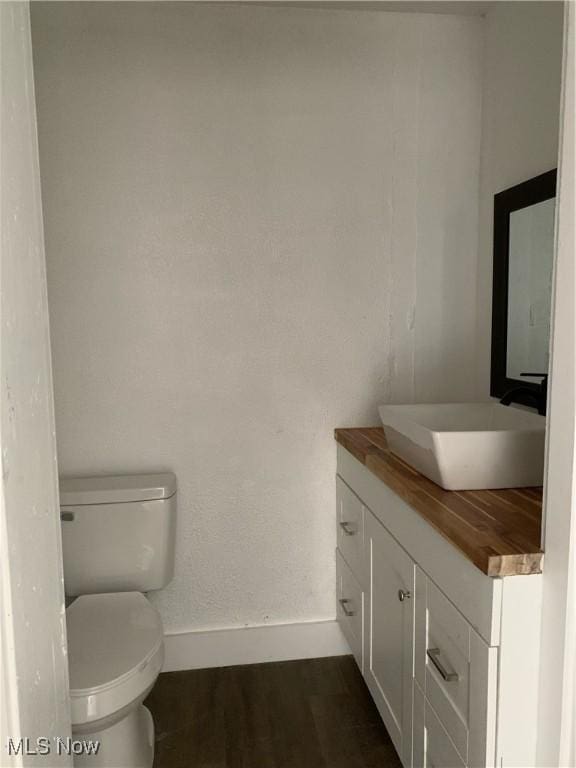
column 439, row 597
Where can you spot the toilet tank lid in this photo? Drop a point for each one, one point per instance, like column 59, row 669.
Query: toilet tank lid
column 115, row 489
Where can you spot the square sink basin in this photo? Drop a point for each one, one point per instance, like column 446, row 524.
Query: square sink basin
column 468, row 446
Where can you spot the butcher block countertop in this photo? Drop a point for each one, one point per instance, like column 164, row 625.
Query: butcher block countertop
column 498, row 531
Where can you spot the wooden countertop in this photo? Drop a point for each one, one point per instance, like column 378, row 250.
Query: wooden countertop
column 498, row 531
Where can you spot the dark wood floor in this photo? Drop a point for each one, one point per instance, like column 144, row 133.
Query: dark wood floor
column 314, row 713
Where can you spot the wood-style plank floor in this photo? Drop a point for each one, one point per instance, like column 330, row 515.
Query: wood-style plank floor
column 314, row 713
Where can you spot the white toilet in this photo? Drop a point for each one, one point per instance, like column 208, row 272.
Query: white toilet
column 118, row 542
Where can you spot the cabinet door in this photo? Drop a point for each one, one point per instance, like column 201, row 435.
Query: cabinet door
column 390, row 634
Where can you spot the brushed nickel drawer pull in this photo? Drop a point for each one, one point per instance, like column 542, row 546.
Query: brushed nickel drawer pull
column 347, row 528
column 347, row 612
column 404, row 594
column 434, row 656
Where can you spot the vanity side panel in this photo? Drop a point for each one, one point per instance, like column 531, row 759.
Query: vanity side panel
column 476, row 595
column 518, row 672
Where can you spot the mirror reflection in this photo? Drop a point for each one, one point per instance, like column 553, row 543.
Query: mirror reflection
column 531, row 248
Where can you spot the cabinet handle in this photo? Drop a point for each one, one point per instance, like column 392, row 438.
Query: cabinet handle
column 347, row 528
column 434, row 656
column 404, row 594
column 347, row 612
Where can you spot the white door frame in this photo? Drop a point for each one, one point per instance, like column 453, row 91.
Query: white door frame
column 557, row 711
column 34, row 694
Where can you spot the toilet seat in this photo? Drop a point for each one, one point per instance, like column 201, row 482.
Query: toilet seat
column 115, row 653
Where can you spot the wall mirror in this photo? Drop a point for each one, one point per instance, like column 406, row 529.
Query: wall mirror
column 522, row 284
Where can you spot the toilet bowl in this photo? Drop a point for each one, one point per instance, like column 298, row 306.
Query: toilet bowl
column 115, row 652
column 118, row 542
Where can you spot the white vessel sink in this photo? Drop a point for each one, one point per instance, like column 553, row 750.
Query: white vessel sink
column 467, row 446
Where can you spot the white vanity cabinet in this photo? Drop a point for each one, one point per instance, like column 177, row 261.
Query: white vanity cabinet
column 449, row 654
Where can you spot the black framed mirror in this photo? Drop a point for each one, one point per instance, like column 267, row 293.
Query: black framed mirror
column 522, row 286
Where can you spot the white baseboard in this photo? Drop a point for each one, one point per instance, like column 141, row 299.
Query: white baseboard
column 253, row 645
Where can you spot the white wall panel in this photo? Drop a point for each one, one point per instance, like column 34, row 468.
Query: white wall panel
column 244, row 206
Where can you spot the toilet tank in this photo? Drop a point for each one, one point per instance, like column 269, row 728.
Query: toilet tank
column 118, row 532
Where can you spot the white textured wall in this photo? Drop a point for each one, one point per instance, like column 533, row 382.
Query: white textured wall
column 243, row 208
column 34, row 699
column 520, row 125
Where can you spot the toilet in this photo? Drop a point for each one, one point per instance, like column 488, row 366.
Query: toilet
column 118, row 535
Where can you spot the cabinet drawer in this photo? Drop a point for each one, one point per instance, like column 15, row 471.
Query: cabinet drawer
column 448, row 666
column 350, row 522
column 457, row 672
column 433, row 747
column 440, row 751
column 350, row 608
